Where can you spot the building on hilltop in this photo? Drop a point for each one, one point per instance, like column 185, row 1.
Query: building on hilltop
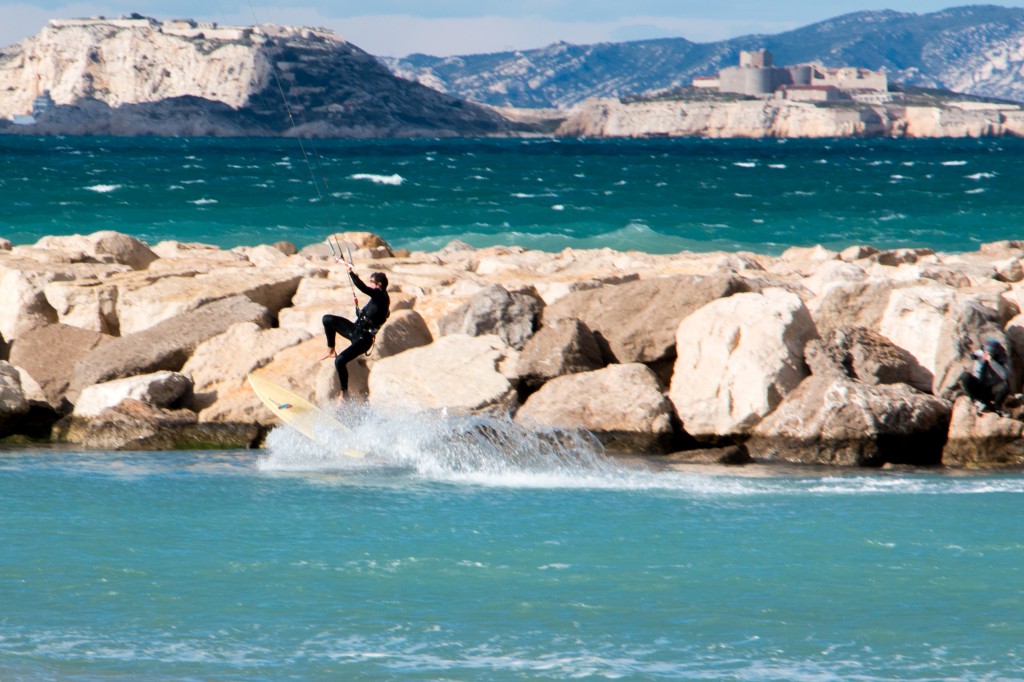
column 185, row 28
column 757, row 76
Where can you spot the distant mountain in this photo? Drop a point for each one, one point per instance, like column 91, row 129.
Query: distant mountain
column 140, row 76
column 977, row 50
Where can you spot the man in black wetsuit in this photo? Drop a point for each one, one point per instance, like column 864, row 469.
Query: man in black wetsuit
column 364, row 330
column 988, row 382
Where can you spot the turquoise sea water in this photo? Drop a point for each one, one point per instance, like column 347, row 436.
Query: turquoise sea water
column 432, row 561
column 657, row 196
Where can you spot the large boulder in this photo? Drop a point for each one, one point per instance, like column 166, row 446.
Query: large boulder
column 460, row 372
column 105, row 246
column 982, row 440
column 939, row 326
column 296, row 367
column 405, row 329
column 135, row 425
column 223, row 362
column 512, row 316
column 637, row 321
column 737, row 358
column 50, row 353
column 140, row 308
column 563, row 346
column 832, row 419
column 160, row 389
column 620, row 404
column 165, row 346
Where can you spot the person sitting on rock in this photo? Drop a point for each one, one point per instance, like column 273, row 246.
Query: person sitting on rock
column 363, row 331
column 988, row 382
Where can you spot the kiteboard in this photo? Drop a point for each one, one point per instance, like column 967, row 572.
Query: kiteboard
column 303, row 416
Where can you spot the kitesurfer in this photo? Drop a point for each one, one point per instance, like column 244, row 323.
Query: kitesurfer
column 363, row 331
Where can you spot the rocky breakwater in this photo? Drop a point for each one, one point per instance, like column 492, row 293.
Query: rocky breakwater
column 815, row 356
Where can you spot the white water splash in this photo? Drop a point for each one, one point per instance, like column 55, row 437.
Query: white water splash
column 498, row 452
column 436, row 447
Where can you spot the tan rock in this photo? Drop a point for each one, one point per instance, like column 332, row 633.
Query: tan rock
column 459, row 372
column 140, row 308
column 224, row 361
column 565, row 346
column 295, row 368
column 843, row 303
column 135, row 425
column 106, row 246
column 405, row 329
column 165, row 346
column 263, row 256
column 620, row 404
column 494, row 310
column 88, row 304
column 986, row 440
column 50, row 353
column 835, row 420
column 637, row 321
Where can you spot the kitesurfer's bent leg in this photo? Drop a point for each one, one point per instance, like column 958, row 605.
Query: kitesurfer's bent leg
column 334, row 325
column 360, row 345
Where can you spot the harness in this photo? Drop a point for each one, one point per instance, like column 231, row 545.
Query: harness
column 363, row 326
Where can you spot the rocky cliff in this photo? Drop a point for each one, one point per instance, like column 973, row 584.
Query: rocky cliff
column 975, row 50
column 784, row 118
column 142, row 76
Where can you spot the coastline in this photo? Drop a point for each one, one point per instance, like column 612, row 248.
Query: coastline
column 847, row 359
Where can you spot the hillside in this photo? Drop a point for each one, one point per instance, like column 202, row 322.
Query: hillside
column 976, row 50
column 142, row 76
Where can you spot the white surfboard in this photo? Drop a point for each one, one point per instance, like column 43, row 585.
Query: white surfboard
column 302, row 415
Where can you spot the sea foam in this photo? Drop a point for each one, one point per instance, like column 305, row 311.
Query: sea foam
column 394, row 179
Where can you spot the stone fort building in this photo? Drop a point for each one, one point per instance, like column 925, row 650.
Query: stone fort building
column 757, row 76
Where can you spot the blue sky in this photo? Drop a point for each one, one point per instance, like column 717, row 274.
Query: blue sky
column 445, row 27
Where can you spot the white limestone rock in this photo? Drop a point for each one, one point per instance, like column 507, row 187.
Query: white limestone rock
column 737, row 358
column 160, row 389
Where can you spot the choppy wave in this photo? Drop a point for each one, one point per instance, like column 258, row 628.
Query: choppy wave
column 394, row 179
column 546, row 195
